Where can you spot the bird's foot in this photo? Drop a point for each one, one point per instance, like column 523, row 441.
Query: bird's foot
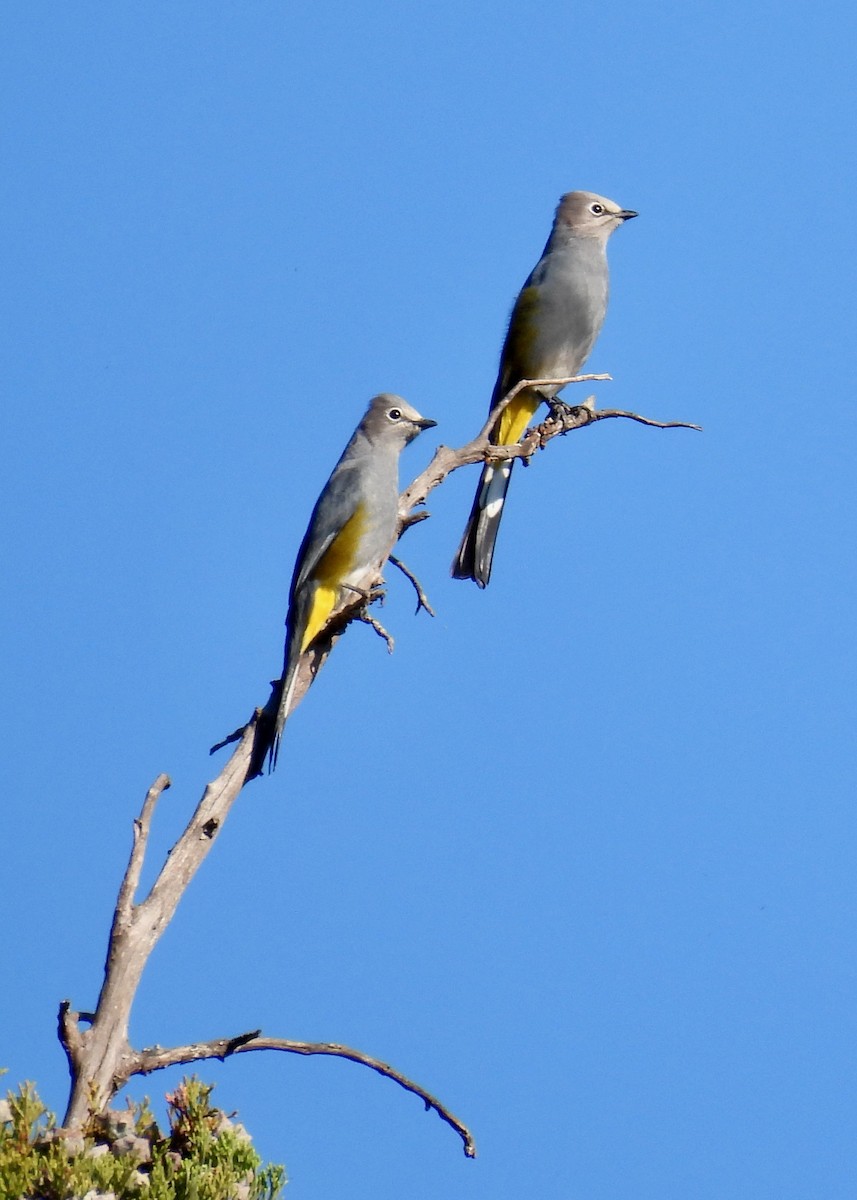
column 570, row 416
column 559, row 410
column 378, row 592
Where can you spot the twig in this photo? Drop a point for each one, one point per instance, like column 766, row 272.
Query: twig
column 157, row 1057
column 413, row 518
column 422, row 598
column 603, row 413
column 142, row 824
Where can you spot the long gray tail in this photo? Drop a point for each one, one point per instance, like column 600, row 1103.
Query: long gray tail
column 267, row 733
column 287, row 687
column 476, row 552
column 271, row 720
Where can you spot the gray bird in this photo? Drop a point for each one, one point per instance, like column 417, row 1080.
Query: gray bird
column 349, row 534
column 554, row 323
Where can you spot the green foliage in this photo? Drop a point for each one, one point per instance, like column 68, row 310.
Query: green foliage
column 123, row 1155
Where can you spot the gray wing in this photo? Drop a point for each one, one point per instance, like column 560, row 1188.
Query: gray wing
column 336, row 505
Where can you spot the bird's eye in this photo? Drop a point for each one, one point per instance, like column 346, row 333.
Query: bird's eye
column 395, row 414
column 596, row 209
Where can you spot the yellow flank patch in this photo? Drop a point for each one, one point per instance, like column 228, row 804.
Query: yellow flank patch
column 323, row 601
column 518, row 363
column 337, row 562
column 516, row 417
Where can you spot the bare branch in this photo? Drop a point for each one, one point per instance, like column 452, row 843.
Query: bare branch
column 562, row 419
column 414, row 518
column 102, row 1051
column 100, row 1057
column 142, row 824
column 188, row 853
column 157, row 1057
column 603, row 413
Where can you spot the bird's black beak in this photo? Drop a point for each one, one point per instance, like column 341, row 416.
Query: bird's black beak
column 626, row 214
column 425, row 423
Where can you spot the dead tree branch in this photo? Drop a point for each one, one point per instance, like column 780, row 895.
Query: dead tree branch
column 100, row 1058
column 99, row 1055
column 142, row 825
column 602, row 414
column 155, row 1058
column 563, row 419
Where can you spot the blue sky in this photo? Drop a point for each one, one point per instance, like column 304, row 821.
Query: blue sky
column 579, row 856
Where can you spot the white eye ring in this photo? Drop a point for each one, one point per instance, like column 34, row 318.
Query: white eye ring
column 395, row 414
column 596, row 209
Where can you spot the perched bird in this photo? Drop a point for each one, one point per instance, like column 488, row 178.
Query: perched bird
column 554, row 323
column 350, row 532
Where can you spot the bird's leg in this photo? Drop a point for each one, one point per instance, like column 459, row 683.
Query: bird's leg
column 377, row 592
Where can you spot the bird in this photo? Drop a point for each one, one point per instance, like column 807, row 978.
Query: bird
column 350, row 532
column 553, row 326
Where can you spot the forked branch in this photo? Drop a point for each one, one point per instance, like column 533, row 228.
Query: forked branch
column 563, row 419
column 100, row 1058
